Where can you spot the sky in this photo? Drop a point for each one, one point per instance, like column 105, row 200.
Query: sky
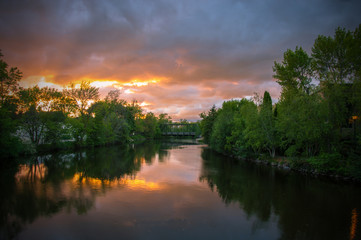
column 178, row 57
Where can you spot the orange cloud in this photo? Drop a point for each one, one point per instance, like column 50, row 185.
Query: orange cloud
column 174, row 56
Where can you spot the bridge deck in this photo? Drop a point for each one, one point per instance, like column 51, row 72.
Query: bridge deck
column 178, row 133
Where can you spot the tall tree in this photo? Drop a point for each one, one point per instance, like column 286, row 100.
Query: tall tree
column 267, row 125
column 207, row 123
column 294, row 74
column 223, row 126
column 332, row 57
column 301, row 127
column 245, row 131
column 83, row 95
column 337, row 64
column 9, row 80
column 9, row 85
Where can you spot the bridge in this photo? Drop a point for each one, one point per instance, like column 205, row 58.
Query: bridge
column 179, row 129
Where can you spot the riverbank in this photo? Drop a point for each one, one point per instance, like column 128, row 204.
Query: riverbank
column 304, row 166
column 323, row 166
column 28, row 149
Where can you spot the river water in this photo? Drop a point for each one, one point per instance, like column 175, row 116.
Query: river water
column 170, row 190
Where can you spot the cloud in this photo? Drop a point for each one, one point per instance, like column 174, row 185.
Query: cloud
column 201, row 51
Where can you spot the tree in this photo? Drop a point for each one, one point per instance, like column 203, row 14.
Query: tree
column 148, row 126
column 294, row 74
column 267, row 125
column 332, row 57
column 207, row 122
column 243, row 138
column 113, row 96
column 223, row 125
column 9, row 81
column 82, row 95
column 337, row 65
column 109, row 124
column 10, row 145
column 302, row 125
column 34, row 125
column 133, row 113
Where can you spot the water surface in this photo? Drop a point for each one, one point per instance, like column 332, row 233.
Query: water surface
column 170, row 191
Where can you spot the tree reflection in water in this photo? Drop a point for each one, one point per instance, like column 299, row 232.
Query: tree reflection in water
column 46, row 185
column 306, row 207
column 74, row 183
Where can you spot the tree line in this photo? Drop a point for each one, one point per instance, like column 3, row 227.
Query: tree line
column 45, row 119
column 316, row 120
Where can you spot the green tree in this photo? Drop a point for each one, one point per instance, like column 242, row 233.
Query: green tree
column 133, row 113
column 9, row 81
column 109, row 124
column 223, row 124
column 244, row 130
column 252, row 129
column 294, row 74
column 10, row 145
column 332, row 57
column 302, row 124
column 337, row 65
column 148, row 126
column 207, row 122
column 267, row 125
column 34, row 125
column 300, row 117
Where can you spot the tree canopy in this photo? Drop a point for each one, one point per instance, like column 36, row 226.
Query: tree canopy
column 316, row 118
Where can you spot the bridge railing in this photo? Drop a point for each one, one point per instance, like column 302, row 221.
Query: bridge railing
column 178, row 129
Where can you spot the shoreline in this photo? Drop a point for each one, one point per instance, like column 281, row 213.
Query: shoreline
column 286, row 164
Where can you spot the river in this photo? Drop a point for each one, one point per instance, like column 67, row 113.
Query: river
column 170, row 190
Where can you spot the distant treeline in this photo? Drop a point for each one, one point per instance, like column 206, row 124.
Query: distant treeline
column 316, row 121
column 45, row 119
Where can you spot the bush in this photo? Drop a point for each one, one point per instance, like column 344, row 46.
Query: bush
column 327, row 163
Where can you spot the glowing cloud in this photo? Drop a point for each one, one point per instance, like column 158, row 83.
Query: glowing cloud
column 128, row 91
column 143, row 104
column 173, row 54
column 41, row 81
column 101, row 84
column 139, row 83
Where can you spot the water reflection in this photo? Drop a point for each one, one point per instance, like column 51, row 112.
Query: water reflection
column 306, row 208
column 353, row 224
column 45, row 185
column 169, row 190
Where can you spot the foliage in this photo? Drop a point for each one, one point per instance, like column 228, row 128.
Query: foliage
column 223, row 125
column 10, row 146
column 318, row 115
column 148, row 126
column 46, row 119
column 267, row 126
column 9, row 81
column 294, row 73
column 207, row 122
column 327, row 162
column 82, row 95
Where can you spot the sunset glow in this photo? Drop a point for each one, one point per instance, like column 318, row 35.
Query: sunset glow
column 133, row 184
column 128, row 91
column 165, row 53
column 105, row 83
column 143, row 104
column 138, row 83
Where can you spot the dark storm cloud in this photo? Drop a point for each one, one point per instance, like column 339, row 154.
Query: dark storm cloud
column 206, row 46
